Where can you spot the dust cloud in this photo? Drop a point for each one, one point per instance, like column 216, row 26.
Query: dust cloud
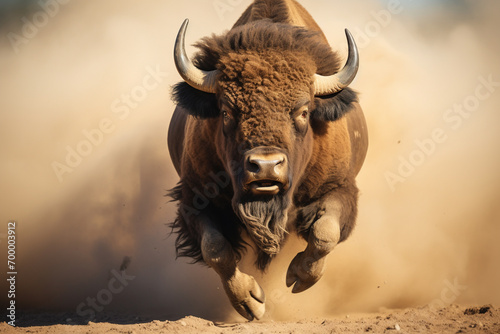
column 84, row 111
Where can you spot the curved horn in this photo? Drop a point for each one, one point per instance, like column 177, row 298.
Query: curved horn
column 326, row 85
column 196, row 78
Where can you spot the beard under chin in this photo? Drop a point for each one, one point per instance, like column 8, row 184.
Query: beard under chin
column 265, row 220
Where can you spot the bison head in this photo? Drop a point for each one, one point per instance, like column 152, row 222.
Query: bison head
column 266, row 89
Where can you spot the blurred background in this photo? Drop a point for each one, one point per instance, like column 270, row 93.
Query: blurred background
column 84, row 111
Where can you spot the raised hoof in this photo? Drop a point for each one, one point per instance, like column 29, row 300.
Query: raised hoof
column 303, row 272
column 246, row 296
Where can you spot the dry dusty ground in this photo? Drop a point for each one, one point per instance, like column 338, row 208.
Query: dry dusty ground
column 452, row 319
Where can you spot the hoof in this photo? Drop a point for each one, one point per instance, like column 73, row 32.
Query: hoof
column 303, row 272
column 246, row 296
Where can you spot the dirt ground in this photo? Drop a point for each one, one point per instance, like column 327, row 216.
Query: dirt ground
column 422, row 225
column 452, row 319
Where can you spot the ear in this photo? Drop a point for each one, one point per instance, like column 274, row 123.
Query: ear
column 333, row 107
column 197, row 103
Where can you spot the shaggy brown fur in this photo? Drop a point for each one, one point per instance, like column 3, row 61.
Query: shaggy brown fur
column 267, row 65
column 284, row 11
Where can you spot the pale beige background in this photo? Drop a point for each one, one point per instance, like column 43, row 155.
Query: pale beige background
column 413, row 239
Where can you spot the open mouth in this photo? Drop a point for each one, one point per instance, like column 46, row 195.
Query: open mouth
column 265, row 187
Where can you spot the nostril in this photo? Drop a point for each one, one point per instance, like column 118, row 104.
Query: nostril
column 253, row 165
column 266, row 165
column 265, row 172
column 281, row 162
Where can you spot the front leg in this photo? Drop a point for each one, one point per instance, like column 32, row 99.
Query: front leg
column 243, row 291
column 308, row 266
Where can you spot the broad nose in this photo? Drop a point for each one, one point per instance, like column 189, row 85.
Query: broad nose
column 271, row 165
column 266, row 172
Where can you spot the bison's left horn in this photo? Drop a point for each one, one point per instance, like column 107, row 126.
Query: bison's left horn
column 196, row 78
column 326, row 85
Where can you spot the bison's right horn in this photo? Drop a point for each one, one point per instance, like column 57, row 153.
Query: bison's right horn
column 196, row 78
column 326, row 85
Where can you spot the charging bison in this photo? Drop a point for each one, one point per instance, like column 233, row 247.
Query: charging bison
column 267, row 139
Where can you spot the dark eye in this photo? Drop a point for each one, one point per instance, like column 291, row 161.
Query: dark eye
column 226, row 113
column 227, row 119
column 302, row 119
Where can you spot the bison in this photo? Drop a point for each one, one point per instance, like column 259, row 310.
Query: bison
column 267, row 139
